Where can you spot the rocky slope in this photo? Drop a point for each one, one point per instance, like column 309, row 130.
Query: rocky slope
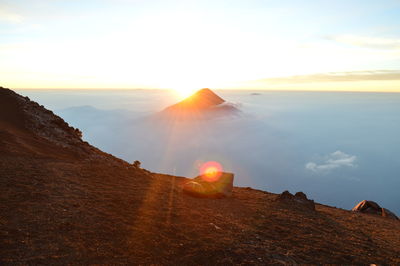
column 63, row 201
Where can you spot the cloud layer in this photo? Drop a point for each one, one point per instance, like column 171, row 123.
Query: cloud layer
column 335, row 160
column 368, row 42
column 338, row 77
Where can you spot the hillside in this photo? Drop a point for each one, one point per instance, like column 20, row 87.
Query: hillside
column 64, row 201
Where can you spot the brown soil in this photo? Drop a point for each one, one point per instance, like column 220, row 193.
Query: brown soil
column 76, row 205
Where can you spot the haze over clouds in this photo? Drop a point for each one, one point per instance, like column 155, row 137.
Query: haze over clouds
column 325, row 144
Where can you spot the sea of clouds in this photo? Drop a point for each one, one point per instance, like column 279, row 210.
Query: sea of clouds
column 338, row 148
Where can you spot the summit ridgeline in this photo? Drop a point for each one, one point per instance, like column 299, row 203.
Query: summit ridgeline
column 202, row 99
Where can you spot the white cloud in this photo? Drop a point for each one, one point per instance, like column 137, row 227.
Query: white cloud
column 338, row 77
column 337, row 159
column 368, row 42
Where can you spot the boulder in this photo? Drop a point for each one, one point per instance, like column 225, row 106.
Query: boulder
column 371, row 207
column 202, row 188
column 299, row 200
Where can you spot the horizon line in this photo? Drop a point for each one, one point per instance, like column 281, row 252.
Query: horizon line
column 225, row 89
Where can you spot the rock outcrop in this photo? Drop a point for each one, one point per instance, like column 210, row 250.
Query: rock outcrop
column 371, row 207
column 299, row 200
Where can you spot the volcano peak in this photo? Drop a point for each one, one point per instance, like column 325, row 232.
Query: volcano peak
column 202, row 99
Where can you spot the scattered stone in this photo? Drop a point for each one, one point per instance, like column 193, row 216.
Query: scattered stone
column 215, row 226
column 371, row 207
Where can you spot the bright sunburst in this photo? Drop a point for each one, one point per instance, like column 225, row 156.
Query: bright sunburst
column 183, row 92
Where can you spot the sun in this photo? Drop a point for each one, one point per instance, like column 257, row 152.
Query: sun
column 183, row 92
column 188, row 85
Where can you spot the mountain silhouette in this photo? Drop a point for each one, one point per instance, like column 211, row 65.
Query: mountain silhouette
column 202, row 99
column 203, row 104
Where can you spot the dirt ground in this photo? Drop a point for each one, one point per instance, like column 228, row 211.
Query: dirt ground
column 57, row 212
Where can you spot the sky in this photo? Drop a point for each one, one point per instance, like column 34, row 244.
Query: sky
column 187, row 45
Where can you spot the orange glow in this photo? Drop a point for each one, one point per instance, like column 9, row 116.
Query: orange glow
column 211, row 171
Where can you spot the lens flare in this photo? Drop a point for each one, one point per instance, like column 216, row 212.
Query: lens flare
column 211, row 171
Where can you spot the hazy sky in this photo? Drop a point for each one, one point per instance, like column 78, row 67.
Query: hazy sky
column 193, row 44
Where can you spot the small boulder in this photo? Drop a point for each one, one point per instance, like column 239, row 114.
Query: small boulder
column 136, row 164
column 371, row 207
column 202, row 188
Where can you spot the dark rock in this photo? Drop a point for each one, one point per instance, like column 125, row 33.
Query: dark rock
column 299, row 200
column 136, row 164
column 285, row 195
column 300, row 195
